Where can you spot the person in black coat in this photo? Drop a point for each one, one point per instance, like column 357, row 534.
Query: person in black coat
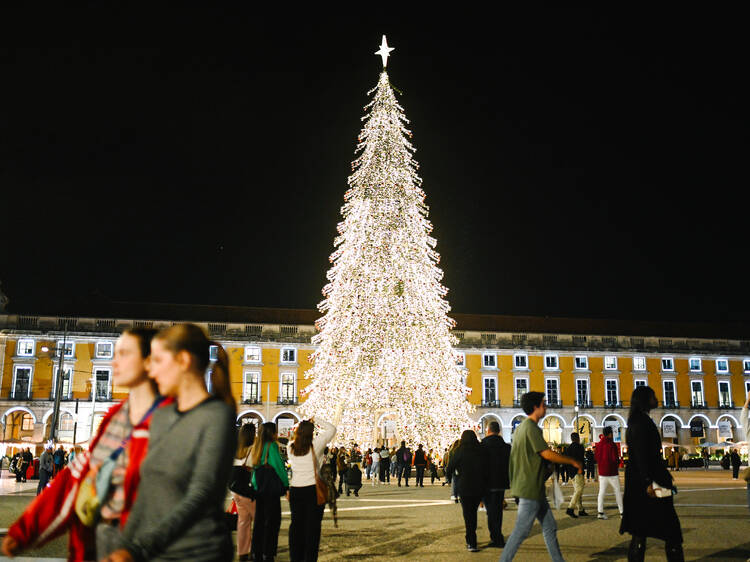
column 470, row 461
column 498, row 460
column 645, row 514
column 736, row 462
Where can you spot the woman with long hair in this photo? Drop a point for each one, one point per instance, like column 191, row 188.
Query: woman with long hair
column 453, row 480
column 306, row 458
column 53, row 513
column 646, row 513
column 470, row 461
column 267, row 506
column 245, row 505
column 179, row 512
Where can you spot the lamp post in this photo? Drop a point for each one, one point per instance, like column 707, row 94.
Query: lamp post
column 58, row 386
column 576, row 410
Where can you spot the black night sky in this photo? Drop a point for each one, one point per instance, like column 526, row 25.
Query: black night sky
column 575, row 164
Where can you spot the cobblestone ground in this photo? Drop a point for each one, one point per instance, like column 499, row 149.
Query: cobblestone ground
column 391, row 523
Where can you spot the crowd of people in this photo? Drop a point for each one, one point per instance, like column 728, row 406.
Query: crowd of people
column 154, row 481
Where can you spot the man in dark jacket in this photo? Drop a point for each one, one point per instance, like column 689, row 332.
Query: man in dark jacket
column 497, row 452
column 420, row 463
column 736, row 462
column 46, row 466
column 575, row 451
column 353, row 479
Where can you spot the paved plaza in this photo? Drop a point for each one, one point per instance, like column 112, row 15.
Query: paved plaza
column 391, row 523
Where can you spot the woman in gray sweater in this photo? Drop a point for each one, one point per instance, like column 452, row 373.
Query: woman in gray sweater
column 178, row 513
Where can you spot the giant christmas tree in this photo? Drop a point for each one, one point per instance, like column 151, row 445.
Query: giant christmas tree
column 384, row 341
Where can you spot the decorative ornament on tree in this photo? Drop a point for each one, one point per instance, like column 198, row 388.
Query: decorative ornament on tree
column 384, row 346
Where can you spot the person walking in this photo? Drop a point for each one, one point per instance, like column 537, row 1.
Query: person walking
column 385, row 465
column 59, row 459
column 608, row 460
column 590, row 465
column 375, row 468
column 179, row 511
column 433, row 466
column 265, row 541
column 736, row 461
column 368, row 463
column 27, row 459
column 529, row 455
column 454, row 478
column 470, row 461
column 575, row 451
column 46, row 467
column 305, row 459
column 419, row 461
column 646, row 513
column 341, row 468
column 497, row 453
column 245, row 504
column 394, row 463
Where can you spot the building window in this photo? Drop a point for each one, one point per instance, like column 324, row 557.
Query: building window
column 667, row 364
column 70, row 348
column 490, row 390
column 67, row 422
column 747, row 388
column 725, row 395
column 27, row 422
column 582, row 362
column 612, row 392
column 695, row 364
column 670, row 395
column 489, row 360
column 521, row 361
column 553, row 395
column 746, row 365
column 722, row 366
column 582, row 392
column 213, row 352
column 460, row 357
column 550, row 361
column 104, row 350
column 252, row 354
column 67, row 379
column 640, row 382
column 25, row 348
column 696, row 394
column 251, row 387
column 22, row 382
column 522, row 387
column 103, row 389
column 639, row 363
column 288, row 355
column 610, row 363
column 287, row 387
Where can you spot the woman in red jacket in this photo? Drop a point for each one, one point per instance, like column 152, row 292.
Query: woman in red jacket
column 53, row 512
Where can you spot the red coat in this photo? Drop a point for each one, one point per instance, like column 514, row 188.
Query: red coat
column 607, row 457
column 52, row 513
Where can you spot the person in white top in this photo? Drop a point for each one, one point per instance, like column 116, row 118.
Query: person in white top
column 304, row 529
column 375, row 469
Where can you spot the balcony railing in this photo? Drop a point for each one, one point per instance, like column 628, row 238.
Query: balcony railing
column 613, row 404
column 490, row 404
column 727, row 405
column 697, row 405
column 584, row 404
column 555, row 404
column 671, row 404
column 516, row 403
column 253, row 400
column 287, row 401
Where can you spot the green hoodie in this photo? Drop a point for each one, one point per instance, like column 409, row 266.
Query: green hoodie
column 274, row 460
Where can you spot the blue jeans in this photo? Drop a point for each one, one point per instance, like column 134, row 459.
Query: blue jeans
column 528, row 510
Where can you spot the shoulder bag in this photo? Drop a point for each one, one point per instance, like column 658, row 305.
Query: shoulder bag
column 241, row 478
column 321, row 488
column 267, row 482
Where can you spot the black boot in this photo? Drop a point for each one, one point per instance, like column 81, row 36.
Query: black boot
column 637, row 550
column 674, row 552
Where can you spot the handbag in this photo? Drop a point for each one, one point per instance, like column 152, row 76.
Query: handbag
column 240, row 481
column 321, row 488
column 267, row 482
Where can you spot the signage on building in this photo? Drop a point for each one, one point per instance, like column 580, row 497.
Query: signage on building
column 725, row 430
column 669, row 429
column 696, row 427
column 616, row 430
column 284, row 426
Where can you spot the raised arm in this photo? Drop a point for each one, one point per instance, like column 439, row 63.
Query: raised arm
column 327, row 432
column 551, row 456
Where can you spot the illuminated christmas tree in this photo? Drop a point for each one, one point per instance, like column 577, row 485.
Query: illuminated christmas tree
column 384, row 341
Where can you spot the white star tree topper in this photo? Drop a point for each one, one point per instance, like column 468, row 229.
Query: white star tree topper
column 384, row 51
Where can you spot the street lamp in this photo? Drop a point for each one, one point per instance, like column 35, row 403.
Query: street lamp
column 576, row 410
column 58, row 385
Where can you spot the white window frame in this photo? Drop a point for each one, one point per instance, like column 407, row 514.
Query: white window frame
column 671, row 367
column 746, row 365
column 460, row 358
column 21, row 345
column 551, row 356
column 67, row 355
column 489, row 355
column 248, row 348
column 55, row 372
column 557, row 384
column 516, row 357
column 281, row 385
column 31, row 380
column 516, row 396
column 673, row 382
column 109, row 382
column 613, row 358
column 244, row 384
column 747, row 387
column 636, row 381
column 722, row 371
column 729, row 387
column 99, row 355
column 617, row 390
column 700, row 365
column 287, row 361
column 493, row 378
column 213, row 352
column 636, row 359
column 703, row 393
column 588, row 391
column 24, row 418
column 585, row 361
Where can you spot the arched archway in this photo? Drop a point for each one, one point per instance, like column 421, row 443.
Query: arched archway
column 285, row 420
column 670, row 426
column 552, row 426
column 18, row 423
column 726, row 428
column 485, row 421
column 385, row 429
column 618, row 427
column 250, row 416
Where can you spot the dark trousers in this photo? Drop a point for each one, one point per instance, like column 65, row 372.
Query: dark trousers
column 493, row 501
column 21, row 474
column 342, row 475
column 266, row 527
column 735, row 471
column 469, row 505
column 44, row 476
column 590, row 472
column 385, row 470
column 433, row 474
column 304, row 529
column 420, row 475
column 405, row 472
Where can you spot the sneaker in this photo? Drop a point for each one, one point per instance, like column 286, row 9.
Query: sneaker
column 453, row 497
column 582, row 513
column 572, row 513
column 601, row 516
column 471, row 548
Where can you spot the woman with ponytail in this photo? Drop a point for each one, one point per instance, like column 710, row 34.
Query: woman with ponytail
column 179, row 512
